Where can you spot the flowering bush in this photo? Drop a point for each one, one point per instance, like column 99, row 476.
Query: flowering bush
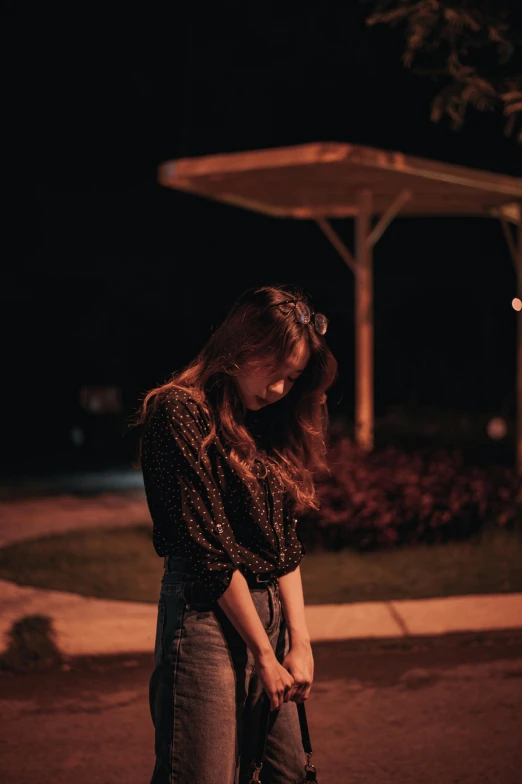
column 391, row 497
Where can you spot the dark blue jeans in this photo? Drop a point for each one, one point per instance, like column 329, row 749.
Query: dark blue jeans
column 205, row 697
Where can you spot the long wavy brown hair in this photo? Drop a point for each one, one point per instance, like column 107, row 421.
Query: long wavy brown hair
column 258, row 335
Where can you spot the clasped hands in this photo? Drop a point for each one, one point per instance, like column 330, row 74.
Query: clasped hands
column 299, row 662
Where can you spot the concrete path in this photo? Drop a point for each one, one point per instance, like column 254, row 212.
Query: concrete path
column 85, row 626
column 32, row 518
column 88, row 626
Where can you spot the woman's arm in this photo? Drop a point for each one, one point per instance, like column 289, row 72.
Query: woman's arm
column 184, row 498
column 290, row 583
column 292, row 601
column 277, row 681
column 196, row 516
column 299, row 660
column 237, row 603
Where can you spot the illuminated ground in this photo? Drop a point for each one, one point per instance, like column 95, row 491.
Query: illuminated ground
column 445, row 713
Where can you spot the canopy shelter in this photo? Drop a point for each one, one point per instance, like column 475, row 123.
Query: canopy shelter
column 334, row 180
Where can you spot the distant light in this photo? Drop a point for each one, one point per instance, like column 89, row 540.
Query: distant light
column 497, row 428
column 517, row 304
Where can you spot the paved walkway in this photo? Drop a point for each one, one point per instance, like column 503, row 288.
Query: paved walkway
column 35, row 517
column 88, row 626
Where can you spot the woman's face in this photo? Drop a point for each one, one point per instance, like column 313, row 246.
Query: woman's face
column 268, row 386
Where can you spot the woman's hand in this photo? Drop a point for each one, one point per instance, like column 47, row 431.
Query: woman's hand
column 299, row 662
column 274, row 678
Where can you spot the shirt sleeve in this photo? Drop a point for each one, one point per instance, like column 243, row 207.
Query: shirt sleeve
column 294, row 547
column 190, row 496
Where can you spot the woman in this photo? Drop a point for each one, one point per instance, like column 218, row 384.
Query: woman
column 230, row 450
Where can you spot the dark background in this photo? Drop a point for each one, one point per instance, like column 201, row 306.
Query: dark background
column 110, row 279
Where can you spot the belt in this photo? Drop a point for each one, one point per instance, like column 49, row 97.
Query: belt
column 260, row 580
column 195, row 591
column 253, row 580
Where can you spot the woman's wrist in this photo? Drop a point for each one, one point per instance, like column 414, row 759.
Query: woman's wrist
column 299, row 638
column 263, row 654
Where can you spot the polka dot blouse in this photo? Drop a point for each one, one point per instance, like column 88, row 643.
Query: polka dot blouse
column 203, row 511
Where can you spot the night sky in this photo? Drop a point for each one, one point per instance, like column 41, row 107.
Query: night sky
column 110, row 279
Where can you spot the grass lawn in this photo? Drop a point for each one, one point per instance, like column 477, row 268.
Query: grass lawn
column 121, row 564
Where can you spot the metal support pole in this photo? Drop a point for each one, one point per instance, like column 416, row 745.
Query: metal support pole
column 509, row 239
column 362, row 267
column 518, row 402
column 364, row 324
column 385, row 220
column 337, row 243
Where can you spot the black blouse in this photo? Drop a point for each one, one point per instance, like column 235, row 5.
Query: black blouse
column 204, row 512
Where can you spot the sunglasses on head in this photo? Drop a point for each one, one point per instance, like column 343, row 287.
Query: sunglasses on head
column 304, row 314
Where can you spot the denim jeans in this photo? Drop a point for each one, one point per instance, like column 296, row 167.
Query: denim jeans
column 205, row 697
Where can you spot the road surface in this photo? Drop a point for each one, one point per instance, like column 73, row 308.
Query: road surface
column 445, row 711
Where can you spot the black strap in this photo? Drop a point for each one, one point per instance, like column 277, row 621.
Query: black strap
column 263, row 729
column 268, row 718
column 305, row 735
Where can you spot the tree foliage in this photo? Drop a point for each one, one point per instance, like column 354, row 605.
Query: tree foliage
column 474, row 47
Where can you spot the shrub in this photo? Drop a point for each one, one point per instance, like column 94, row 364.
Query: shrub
column 391, row 497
